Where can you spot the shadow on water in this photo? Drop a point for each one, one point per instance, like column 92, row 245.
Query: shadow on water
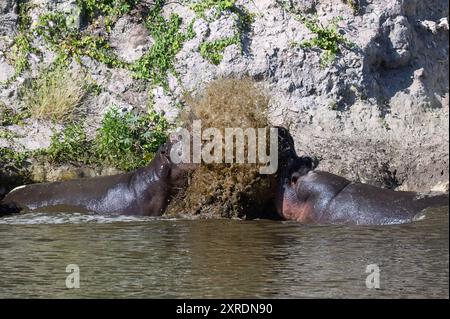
column 156, row 258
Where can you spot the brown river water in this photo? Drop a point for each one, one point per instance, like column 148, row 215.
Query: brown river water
column 160, row 258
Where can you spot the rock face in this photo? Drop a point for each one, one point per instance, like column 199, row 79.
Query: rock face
column 378, row 113
column 130, row 40
column 8, row 17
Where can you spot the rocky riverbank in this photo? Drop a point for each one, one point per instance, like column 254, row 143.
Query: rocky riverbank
column 362, row 84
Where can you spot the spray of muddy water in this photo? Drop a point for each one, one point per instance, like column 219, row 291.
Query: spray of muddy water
column 227, row 190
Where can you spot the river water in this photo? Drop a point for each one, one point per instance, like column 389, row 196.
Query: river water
column 160, row 258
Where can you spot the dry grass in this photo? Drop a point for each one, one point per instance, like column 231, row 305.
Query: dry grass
column 56, row 95
column 227, row 190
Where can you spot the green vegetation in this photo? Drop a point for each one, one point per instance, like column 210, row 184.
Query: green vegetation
column 11, row 117
column 21, row 47
column 213, row 50
column 125, row 141
column 70, row 145
column 20, row 51
column 11, row 159
column 109, row 9
column 67, row 41
column 130, row 141
column 200, row 7
column 154, row 65
column 55, row 94
column 326, row 38
column 168, row 41
column 62, row 36
column 6, row 134
column 245, row 18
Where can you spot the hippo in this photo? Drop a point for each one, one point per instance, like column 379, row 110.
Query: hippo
column 8, row 209
column 143, row 192
column 311, row 196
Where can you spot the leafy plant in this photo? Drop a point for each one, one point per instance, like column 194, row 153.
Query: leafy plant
column 128, row 141
column 69, row 42
column 12, row 159
column 109, row 9
column 168, row 41
column 21, row 47
column 326, row 38
column 213, row 50
column 125, row 141
column 11, row 117
column 70, row 145
column 245, row 18
column 200, row 7
column 20, row 51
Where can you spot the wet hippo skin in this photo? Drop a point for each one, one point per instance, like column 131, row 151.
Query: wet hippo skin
column 324, row 198
column 310, row 196
column 144, row 192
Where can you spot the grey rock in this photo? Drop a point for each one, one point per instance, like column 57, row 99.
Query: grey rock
column 399, row 38
column 7, row 6
column 130, row 40
column 8, row 24
column 6, row 71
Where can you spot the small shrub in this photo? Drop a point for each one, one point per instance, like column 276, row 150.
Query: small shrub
column 19, row 53
column 245, row 18
column 129, row 141
column 124, row 141
column 55, row 95
column 10, row 159
column 70, row 145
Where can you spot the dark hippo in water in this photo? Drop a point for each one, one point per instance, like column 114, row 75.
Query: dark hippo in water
column 310, row 196
column 144, row 192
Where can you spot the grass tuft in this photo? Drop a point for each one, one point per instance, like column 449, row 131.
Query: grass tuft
column 55, row 95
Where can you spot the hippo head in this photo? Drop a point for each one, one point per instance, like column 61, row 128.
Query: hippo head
column 290, row 168
column 175, row 174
